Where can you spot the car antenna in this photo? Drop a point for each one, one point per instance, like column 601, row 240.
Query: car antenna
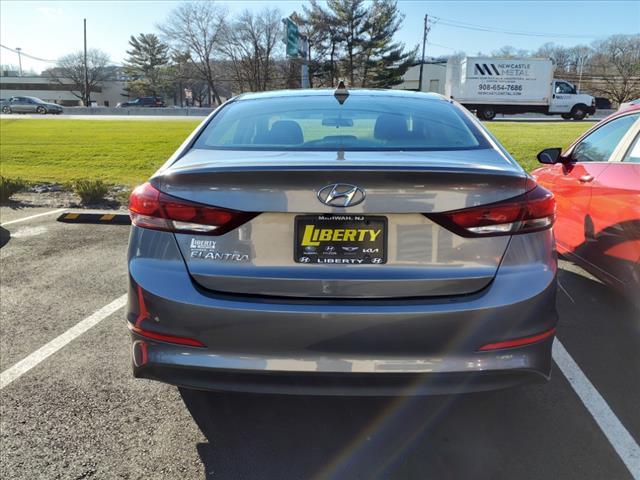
column 341, row 92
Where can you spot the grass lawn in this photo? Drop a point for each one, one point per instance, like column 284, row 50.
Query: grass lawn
column 116, row 151
column 525, row 140
column 128, row 151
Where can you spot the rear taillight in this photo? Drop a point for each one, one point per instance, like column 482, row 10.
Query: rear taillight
column 530, row 212
column 150, row 208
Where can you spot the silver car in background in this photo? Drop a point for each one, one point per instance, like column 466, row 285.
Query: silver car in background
column 29, row 105
column 342, row 243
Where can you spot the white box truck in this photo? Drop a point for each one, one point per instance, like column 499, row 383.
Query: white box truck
column 489, row 86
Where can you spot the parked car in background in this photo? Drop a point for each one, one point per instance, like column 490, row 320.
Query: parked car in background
column 369, row 242
column 142, row 102
column 596, row 182
column 29, row 105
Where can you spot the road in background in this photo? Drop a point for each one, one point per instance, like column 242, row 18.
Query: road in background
column 80, row 414
column 167, row 115
column 101, row 117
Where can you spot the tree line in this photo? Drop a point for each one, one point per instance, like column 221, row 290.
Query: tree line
column 201, row 50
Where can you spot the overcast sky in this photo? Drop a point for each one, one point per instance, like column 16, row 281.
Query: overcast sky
column 50, row 29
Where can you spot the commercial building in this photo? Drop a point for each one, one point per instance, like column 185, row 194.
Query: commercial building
column 433, row 78
column 108, row 94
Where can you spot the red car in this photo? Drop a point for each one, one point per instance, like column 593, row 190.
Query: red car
column 596, row 182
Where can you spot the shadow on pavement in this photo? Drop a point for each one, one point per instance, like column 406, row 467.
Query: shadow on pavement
column 505, row 434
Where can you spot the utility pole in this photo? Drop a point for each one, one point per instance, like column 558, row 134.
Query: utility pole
column 87, row 95
column 18, row 49
column 424, row 44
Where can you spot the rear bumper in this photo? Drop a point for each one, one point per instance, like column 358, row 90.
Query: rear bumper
column 163, row 364
column 359, row 347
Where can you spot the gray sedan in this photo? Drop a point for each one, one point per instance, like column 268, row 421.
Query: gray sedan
column 29, row 105
column 317, row 242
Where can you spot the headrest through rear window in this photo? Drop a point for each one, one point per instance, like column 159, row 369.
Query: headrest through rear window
column 391, row 127
column 283, row 132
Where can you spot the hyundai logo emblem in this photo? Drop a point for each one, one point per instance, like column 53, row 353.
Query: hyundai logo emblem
column 341, row 195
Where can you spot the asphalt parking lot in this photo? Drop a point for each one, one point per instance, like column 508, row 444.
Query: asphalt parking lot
column 75, row 412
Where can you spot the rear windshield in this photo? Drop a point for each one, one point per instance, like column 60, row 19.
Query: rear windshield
column 321, row 123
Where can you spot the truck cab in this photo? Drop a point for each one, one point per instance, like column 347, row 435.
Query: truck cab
column 566, row 101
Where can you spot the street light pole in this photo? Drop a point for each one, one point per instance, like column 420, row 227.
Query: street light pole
column 424, row 44
column 18, row 49
column 580, row 66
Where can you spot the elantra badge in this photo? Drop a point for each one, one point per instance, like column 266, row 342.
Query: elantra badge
column 341, row 195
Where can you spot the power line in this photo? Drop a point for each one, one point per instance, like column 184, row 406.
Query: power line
column 485, row 28
column 441, row 46
column 27, row 55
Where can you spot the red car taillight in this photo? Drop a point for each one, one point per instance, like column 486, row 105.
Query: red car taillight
column 150, row 208
column 530, row 212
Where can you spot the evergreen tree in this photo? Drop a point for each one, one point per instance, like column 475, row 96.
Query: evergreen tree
column 351, row 17
column 385, row 61
column 322, row 28
column 359, row 40
column 147, row 59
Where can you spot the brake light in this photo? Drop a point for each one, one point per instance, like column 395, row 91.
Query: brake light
column 151, row 208
column 530, row 212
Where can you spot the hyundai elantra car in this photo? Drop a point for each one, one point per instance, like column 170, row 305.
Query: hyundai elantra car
column 342, row 243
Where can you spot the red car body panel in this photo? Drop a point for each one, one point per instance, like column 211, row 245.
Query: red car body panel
column 598, row 214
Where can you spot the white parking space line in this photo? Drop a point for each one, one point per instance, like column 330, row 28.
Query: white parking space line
column 23, row 366
column 564, row 290
column 618, row 436
column 59, row 210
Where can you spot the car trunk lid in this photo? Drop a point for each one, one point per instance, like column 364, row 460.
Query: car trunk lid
column 419, row 258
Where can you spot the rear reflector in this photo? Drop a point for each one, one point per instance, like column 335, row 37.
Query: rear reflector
column 530, row 212
column 150, row 208
column 191, row 342
column 518, row 342
column 143, row 314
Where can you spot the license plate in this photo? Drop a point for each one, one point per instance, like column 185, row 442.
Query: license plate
column 340, row 239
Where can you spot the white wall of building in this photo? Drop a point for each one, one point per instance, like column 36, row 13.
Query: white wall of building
column 433, row 78
column 111, row 92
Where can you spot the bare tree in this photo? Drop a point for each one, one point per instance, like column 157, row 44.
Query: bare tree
column 195, row 28
column 7, row 68
column 71, row 67
column 562, row 57
column 510, row 52
column 615, row 65
column 250, row 43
